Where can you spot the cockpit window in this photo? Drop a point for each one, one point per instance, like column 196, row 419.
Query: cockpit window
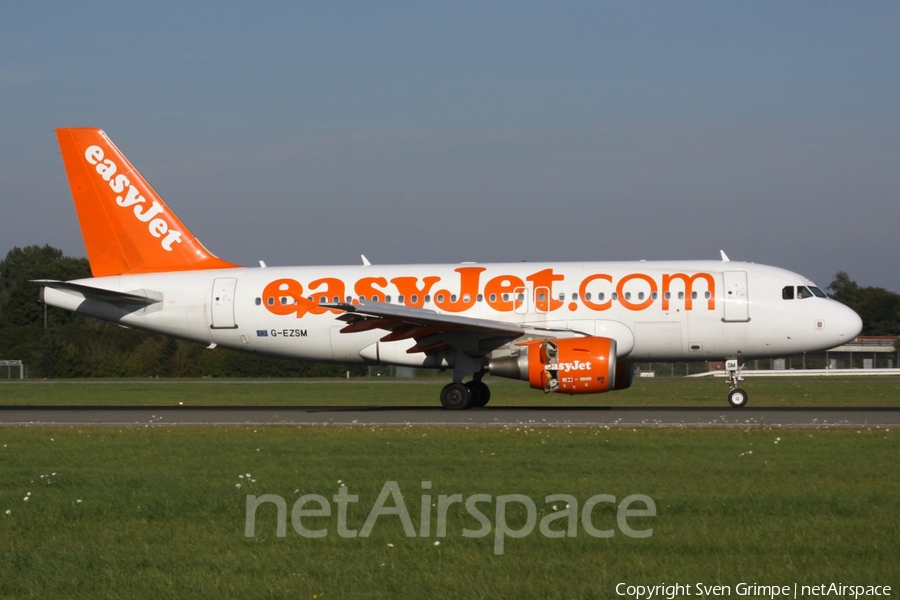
column 817, row 292
column 803, row 292
column 787, row 292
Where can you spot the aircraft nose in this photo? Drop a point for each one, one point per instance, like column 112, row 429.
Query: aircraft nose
column 849, row 324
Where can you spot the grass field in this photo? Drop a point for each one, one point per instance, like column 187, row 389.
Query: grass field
column 795, row 391
column 156, row 512
column 140, row 512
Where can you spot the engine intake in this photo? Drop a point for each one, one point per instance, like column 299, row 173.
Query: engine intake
column 584, row 365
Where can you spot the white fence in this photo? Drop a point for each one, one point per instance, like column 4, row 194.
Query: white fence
column 9, row 364
column 803, row 372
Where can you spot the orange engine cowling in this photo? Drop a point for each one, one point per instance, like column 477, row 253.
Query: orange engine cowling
column 584, row 365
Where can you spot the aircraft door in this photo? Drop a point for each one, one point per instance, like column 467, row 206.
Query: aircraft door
column 542, row 300
column 737, row 305
column 222, row 303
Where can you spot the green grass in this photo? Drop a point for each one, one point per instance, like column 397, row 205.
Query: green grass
column 160, row 515
column 796, row 391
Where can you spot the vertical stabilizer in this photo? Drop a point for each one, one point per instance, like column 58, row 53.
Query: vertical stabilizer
column 127, row 228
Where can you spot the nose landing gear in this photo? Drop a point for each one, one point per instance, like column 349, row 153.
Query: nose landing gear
column 736, row 397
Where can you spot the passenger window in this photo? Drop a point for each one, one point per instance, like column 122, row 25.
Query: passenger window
column 270, row 301
column 440, row 297
column 506, row 297
column 681, row 295
column 542, row 297
column 479, row 298
column 493, row 297
column 803, row 292
column 562, row 296
column 600, row 296
column 707, row 295
column 414, row 298
column 258, row 301
column 400, row 299
column 628, row 295
column 693, row 295
column 336, row 299
column 654, row 295
column 667, row 295
column 427, row 297
column 587, row 296
column 787, row 292
column 640, row 295
column 467, row 298
column 575, row 297
column 452, row 297
column 615, row 296
column 387, row 299
column 323, row 299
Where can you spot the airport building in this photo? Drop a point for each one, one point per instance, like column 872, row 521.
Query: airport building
column 866, row 352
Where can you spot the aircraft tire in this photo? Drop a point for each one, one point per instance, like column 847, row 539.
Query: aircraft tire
column 737, row 398
column 480, row 393
column 455, row 396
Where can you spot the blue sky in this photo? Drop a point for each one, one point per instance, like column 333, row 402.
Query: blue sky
column 312, row 132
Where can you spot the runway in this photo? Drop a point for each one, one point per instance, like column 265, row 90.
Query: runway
column 435, row 416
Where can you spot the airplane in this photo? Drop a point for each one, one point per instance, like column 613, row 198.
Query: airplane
column 567, row 327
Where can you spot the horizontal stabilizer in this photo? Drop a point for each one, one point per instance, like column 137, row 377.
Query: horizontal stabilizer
column 101, row 295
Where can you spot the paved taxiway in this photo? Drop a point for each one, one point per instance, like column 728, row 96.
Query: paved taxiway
column 489, row 416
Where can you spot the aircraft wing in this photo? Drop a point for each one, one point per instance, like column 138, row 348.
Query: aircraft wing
column 431, row 330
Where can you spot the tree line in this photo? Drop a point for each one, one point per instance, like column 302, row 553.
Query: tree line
column 54, row 343
column 879, row 308
column 57, row 343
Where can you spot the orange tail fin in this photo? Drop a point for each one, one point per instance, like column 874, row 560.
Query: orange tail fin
column 127, row 227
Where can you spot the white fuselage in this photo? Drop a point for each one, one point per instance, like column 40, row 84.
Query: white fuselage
column 656, row 311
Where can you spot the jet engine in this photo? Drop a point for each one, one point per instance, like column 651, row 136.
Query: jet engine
column 583, row 365
column 624, row 375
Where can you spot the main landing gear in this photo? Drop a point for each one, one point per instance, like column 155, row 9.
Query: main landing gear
column 480, row 393
column 455, row 396
column 460, row 396
column 736, row 397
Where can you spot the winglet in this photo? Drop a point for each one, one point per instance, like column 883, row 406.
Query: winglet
column 365, row 260
column 724, row 256
column 127, row 228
